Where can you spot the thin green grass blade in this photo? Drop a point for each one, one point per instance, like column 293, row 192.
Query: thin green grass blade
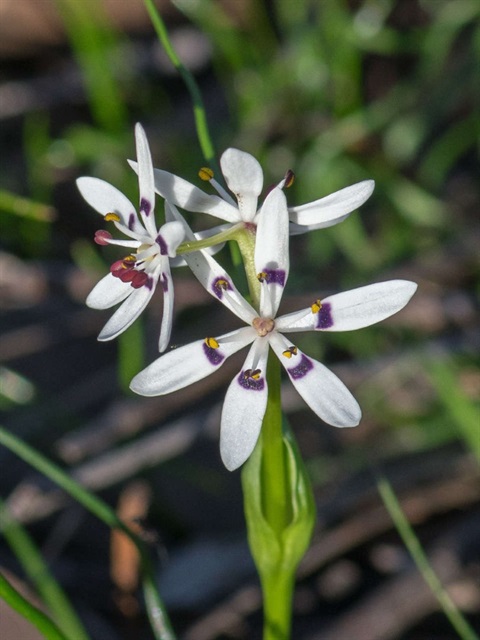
column 199, row 113
column 93, row 41
column 463, row 412
column 25, row 208
column 458, row 622
column 155, row 608
column 38, row 573
column 22, row 606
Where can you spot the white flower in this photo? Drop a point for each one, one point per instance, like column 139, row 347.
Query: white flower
column 244, row 177
column 246, row 398
column 132, row 281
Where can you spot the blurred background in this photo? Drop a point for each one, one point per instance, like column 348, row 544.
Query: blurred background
column 338, row 92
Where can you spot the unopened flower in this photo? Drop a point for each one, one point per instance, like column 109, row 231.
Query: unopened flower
column 133, row 279
column 244, row 178
column 246, row 398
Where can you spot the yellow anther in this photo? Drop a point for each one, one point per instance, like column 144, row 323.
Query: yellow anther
column 205, row 173
column 261, row 276
column 223, row 284
column 212, row 343
column 112, row 217
column 129, row 259
column 291, row 351
column 250, row 373
column 316, row 306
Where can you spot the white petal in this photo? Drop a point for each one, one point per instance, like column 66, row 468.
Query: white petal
column 167, row 316
column 324, row 393
column 170, row 236
column 364, row 306
column 299, row 229
column 244, row 177
column 145, row 180
column 191, row 198
column 218, row 283
column 303, row 320
column 108, row 292
column 105, row 198
column 244, row 409
column 185, row 365
column 332, row 208
column 271, row 250
column 129, row 311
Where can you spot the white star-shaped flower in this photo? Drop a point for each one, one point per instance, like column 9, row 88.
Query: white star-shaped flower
column 246, row 398
column 244, row 178
column 133, row 280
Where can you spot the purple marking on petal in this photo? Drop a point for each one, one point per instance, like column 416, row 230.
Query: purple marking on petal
column 221, row 284
column 324, row 316
column 145, row 206
column 131, row 221
column 274, row 276
column 301, row 370
column 164, row 281
column 162, row 244
column 249, row 383
column 149, row 283
column 213, row 355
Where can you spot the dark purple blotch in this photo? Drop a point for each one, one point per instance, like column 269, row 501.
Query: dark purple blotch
column 149, row 283
column 274, row 276
column 300, row 371
column 162, row 244
column 164, row 281
column 250, row 383
column 219, row 285
column 131, row 221
column 213, row 355
column 324, row 316
column 145, row 206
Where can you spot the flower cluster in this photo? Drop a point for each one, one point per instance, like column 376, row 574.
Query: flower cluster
column 133, row 279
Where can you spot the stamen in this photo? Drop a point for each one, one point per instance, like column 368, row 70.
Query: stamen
column 139, row 279
column 316, row 306
column 219, row 285
column 212, row 343
column 205, row 174
column 112, row 217
column 291, row 351
column 253, row 374
column 289, row 179
column 272, row 276
column 102, row 237
column 129, row 260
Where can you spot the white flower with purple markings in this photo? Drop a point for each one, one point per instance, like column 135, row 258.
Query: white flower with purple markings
column 133, row 279
column 244, row 178
column 246, row 398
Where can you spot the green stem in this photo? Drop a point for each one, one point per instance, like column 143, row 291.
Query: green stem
column 276, row 505
column 414, row 547
column 156, row 610
column 246, row 243
column 277, row 605
column 198, row 106
column 26, row 609
column 195, row 245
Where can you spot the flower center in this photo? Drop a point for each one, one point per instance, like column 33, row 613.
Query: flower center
column 263, row 326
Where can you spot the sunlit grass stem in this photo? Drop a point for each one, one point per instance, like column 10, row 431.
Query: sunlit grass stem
column 27, row 610
column 198, row 106
column 40, row 576
column 414, row 547
column 155, row 608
